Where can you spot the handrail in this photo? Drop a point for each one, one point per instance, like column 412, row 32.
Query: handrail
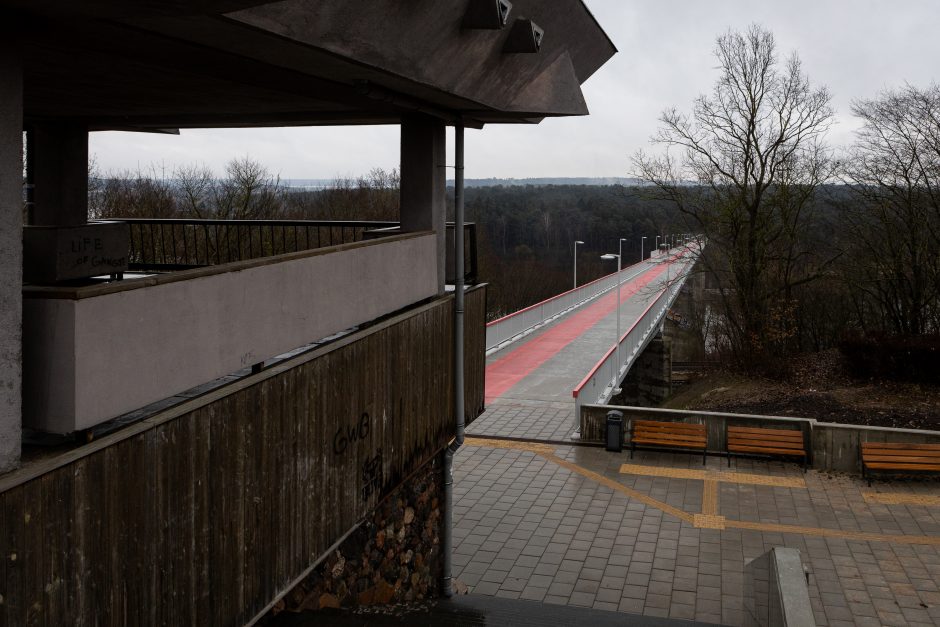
column 607, row 372
column 518, row 324
column 175, row 244
column 612, row 349
column 557, row 296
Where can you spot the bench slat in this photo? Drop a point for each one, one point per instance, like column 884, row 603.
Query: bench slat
column 899, row 445
column 899, row 466
column 897, row 453
column 774, row 441
column 765, row 432
column 639, row 437
column 759, row 439
column 767, row 450
column 791, row 446
column 902, row 459
column 673, row 443
column 682, row 426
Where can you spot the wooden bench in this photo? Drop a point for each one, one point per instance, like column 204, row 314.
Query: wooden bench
column 760, row 441
column 669, row 435
column 899, row 457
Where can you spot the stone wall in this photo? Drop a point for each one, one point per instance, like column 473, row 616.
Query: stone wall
column 393, row 557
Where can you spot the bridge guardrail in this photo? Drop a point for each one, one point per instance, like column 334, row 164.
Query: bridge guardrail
column 599, row 384
column 518, row 324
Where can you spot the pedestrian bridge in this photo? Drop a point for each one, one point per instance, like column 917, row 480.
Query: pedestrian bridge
column 562, row 351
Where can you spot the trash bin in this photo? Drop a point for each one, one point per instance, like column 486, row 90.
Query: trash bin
column 614, row 432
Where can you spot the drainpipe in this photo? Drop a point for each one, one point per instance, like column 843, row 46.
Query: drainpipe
column 447, row 540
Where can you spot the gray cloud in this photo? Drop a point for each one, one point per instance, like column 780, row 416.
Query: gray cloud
column 855, row 48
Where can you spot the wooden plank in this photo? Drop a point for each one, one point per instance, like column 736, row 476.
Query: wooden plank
column 757, row 442
column 780, row 435
column 869, row 459
column 900, row 446
column 680, row 443
column 766, row 450
column 763, row 431
column 903, row 467
column 902, row 454
column 668, row 435
column 678, row 426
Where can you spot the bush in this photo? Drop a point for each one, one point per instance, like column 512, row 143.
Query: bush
column 914, row 359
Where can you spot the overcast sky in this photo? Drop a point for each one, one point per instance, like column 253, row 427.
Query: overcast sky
column 856, row 48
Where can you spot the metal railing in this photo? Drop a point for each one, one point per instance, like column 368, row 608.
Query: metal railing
column 168, row 244
column 508, row 329
column 602, row 381
column 182, row 243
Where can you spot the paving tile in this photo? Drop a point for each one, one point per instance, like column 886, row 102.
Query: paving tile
column 528, row 527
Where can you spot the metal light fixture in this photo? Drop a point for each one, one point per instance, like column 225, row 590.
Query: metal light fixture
column 576, row 243
column 525, row 36
column 611, row 257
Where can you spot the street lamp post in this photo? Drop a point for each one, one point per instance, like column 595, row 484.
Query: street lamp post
column 611, row 257
column 642, row 241
column 576, row 262
column 657, row 243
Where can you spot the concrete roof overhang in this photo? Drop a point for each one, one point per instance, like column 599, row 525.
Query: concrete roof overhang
column 148, row 64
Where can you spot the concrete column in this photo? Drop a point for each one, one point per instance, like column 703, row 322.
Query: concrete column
column 59, row 167
column 11, row 250
column 424, row 181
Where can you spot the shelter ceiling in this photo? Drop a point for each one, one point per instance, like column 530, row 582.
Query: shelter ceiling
column 155, row 64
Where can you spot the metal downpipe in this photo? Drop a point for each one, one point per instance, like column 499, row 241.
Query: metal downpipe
column 447, row 531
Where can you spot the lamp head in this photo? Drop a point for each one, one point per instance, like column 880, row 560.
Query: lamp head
column 609, row 257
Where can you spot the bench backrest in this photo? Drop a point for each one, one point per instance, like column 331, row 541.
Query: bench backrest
column 652, row 427
column 757, row 437
column 901, row 452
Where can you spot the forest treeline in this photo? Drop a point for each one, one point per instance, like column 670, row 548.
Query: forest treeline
column 807, row 248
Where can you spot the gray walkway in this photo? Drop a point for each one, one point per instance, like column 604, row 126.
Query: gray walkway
column 580, row 526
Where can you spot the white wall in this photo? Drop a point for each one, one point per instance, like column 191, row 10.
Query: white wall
column 137, row 346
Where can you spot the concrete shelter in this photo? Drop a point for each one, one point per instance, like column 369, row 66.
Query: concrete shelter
column 242, row 413
column 70, row 68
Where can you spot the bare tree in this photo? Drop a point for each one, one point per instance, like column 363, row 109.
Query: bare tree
column 248, row 192
column 196, row 186
column 894, row 216
column 743, row 168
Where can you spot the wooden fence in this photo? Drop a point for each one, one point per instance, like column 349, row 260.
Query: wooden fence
column 203, row 514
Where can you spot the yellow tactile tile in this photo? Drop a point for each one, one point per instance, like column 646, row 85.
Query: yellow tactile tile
column 833, row 533
column 712, row 475
column 707, row 521
column 710, row 498
column 619, row 487
column 890, row 498
column 532, row 447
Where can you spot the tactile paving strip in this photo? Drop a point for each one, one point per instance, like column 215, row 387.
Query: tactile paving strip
column 711, row 475
column 901, row 499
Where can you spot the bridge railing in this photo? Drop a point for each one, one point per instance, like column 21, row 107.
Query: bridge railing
column 516, row 325
column 602, row 381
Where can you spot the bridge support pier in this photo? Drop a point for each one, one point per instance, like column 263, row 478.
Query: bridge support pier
column 649, row 381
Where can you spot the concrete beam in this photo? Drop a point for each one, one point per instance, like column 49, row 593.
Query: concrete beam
column 60, row 174
column 424, row 181
column 11, row 251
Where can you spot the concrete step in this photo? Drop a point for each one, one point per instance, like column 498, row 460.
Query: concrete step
column 477, row 610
